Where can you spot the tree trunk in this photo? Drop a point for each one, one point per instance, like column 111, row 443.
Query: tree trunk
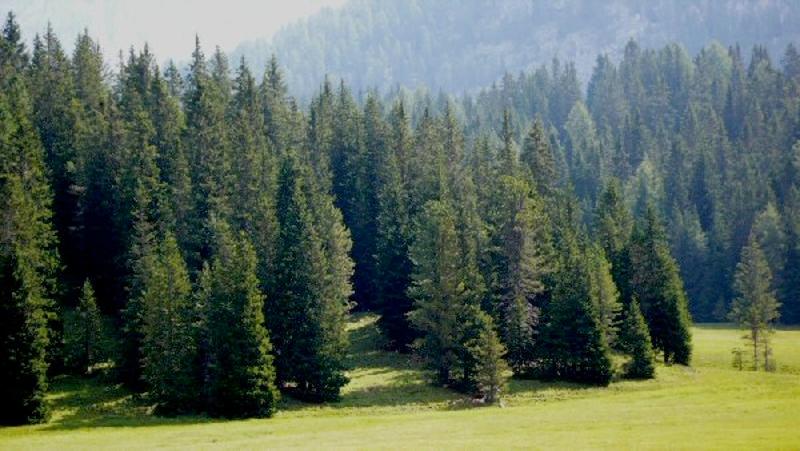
column 754, row 333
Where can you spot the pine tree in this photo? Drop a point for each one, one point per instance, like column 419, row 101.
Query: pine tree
column 392, row 261
column 95, row 176
column 142, row 263
column 520, row 245
column 367, row 190
column 306, row 309
column 438, row 289
column 275, row 105
column 571, row 345
column 490, row 368
column 755, row 307
column 604, row 293
column 635, row 340
column 207, row 145
column 656, row 283
column 326, row 377
column 539, row 160
column 613, row 226
column 508, row 152
column 169, row 339
column 768, row 228
column 240, row 377
column 28, row 259
column 52, row 94
column 253, row 165
column 84, row 335
column 173, row 166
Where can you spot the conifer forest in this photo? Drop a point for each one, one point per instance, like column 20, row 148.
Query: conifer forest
column 200, row 236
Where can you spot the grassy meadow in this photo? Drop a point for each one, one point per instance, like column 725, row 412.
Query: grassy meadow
column 388, row 404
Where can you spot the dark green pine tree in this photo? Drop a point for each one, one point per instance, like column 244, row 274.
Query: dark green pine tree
column 488, row 352
column 83, row 333
column 308, row 302
column 571, row 345
column 253, row 166
column 326, row 376
column 52, row 92
column 321, row 127
column 520, row 245
column 426, row 165
column 613, row 226
column 482, row 165
column 142, row 210
column 634, row 339
column 275, row 106
column 393, row 265
column 13, row 54
column 538, row 159
column 604, row 293
column 346, row 147
column 655, row 281
column 206, row 141
column 96, row 159
column 438, row 289
column 508, row 152
column 790, row 310
column 28, row 258
column 142, row 263
column 239, row 373
column 173, row 165
column 755, row 307
column 169, row 339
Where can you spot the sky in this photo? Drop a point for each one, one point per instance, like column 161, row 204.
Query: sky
column 168, row 26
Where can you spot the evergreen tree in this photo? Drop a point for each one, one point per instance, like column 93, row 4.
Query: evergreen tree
column 253, row 165
column 306, row 311
column 240, row 377
column 52, row 91
column 635, row 340
column 539, row 160
column 169, row 340
column 656, row 283
column 207, row 142
column 367, row 190
column 768, row 229
column 275, row 105
column 508, row 152
column 438, row 289
column 392, row 261
column 173, row 166
column 490, row 368
column 28, row 258
column 83, row 333
column 571, row 344
column 755, row 307
column 520, row 263
column 333, row 302
column 94, row 215
column 604, row 293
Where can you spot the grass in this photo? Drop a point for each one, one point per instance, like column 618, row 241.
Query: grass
column 388, row 404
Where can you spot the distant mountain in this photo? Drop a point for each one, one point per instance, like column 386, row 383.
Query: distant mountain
column 459, row 45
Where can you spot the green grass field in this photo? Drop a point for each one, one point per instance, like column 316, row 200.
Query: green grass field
column 388, row 404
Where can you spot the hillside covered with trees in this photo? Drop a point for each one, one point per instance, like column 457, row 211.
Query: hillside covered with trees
column 464, row 45
column 202, row 237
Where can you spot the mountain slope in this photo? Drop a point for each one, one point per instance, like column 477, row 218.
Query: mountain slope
column 458, row 45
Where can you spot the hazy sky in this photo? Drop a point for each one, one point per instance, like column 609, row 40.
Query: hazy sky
column 168, row 26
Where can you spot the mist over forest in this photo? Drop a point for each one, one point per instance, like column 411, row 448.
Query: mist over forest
column 464, row 45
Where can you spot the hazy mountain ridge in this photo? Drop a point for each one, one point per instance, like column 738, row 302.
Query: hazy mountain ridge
column 457, row 45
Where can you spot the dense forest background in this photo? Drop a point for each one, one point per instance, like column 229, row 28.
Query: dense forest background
column 202, row 234
column 463, row 45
